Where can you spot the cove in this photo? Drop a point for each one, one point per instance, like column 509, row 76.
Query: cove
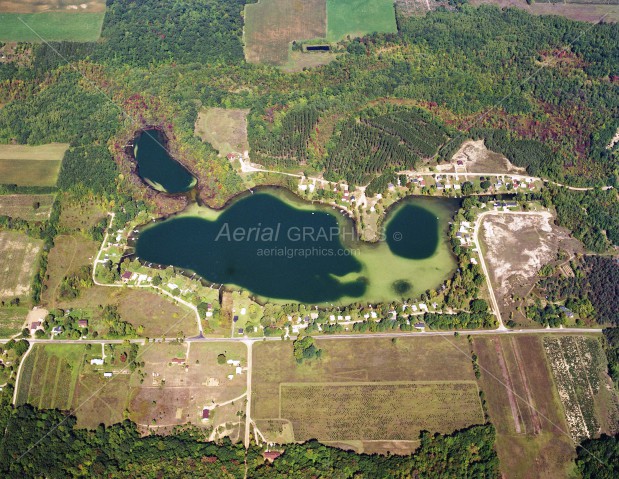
column 157, row 168
column 281, row 248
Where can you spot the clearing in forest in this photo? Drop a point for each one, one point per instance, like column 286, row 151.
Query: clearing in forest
column 37, row 21
column 271, row 25
column 31, row 165
column 18, row 261
column 517, row 246
column 26, row 207
column 356, row 18
column 225, row 129
column 360, row 393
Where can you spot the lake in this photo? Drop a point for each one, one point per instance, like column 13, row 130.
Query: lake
column 281, row 248
column 157, row 168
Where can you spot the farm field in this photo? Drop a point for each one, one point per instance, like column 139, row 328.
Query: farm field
column 330, row 399
column 579, row 368
column 18, row 262
column 158, row 395
column 30, row 165
column 524, row 406
column 50, row 26
column 11, row 320
column 225, row 129
column 271, row 25
column 359, row 17
column 40, row 6
column 26, row 207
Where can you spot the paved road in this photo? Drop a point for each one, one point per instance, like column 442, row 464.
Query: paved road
column 197, row 339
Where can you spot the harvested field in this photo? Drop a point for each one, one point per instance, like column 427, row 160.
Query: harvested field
column 18, row 262
column 26, row 207
column 355, row 372
column 524, row 406
column 271, row 25
column 516, row 246
column 478, row 159
column 30, row 165
column 225, row 129
column 584, row 11
column 356, row 18
column 298, row 61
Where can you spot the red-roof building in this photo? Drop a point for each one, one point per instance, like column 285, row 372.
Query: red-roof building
column 82, row 323
column 271, row 455
column 206, row 413
column 178, row 360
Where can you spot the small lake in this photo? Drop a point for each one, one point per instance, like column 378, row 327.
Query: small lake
column 157, row 168
column 281, row 248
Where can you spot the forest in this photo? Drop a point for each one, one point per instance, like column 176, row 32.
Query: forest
column 120, row 451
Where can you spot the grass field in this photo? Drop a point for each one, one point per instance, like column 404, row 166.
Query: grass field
column 225, row 129
column 49, row 376
column 359, row 17
column 378, row 411
column 406, row 381
column 12, row 320
column 18, row 262
column 66, row 257
column 523, row 404
column 30, row 165
column 26, row 207
column 271, row 25
column 50, row 27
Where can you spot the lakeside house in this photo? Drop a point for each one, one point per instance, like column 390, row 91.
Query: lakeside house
column 126, row 276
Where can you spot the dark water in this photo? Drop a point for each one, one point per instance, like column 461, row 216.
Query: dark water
column 413, row 232
column 158, row 168
column 262, row 244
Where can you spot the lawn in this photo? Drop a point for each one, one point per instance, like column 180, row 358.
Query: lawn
column 409, row 380
column 271, row 25
column 50, row 27
column 26, row 207
column 359, row 17
column 18, row 261
column 225, row 129
column 30, row 165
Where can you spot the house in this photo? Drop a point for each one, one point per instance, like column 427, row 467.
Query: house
column 126, row 276
column 35, row 325
column 205, row 414
column 238, row 370
column 107, row 375
column 233, row 362
column 230, row 376
column 240, row 330
column 420, row 326
column 460, row 163
column 96, row 362
column 178, row 361
column 82, row 323
column 235, row 319
column 473, row 261
column 57, row 330
column 271, row 455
